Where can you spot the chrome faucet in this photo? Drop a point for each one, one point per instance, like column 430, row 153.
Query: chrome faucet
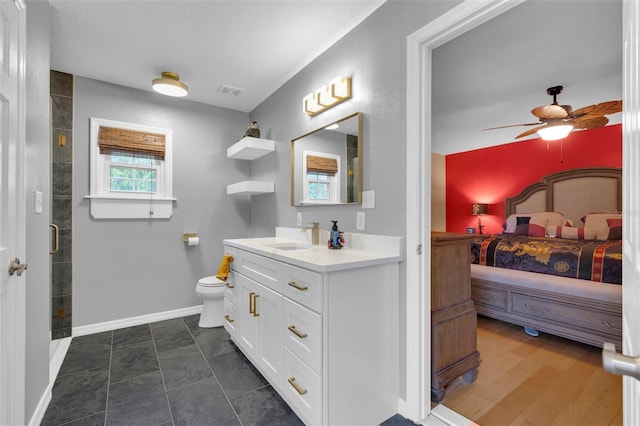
column 315, row 232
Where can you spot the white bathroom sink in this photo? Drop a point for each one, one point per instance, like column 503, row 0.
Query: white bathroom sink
column 289, row 246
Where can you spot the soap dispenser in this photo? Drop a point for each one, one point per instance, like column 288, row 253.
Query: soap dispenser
column 336, row 239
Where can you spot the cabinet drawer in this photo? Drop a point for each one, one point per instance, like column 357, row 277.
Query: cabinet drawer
column 591, row 319
column 231, row 318
column 303, row 286
column 265, row 271
column 303, row 334
column 302, row 388
column 491, row 297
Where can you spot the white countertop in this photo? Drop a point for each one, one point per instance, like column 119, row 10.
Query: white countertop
column 319, row 258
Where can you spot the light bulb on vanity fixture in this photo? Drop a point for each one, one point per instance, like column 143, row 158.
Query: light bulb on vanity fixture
column 169, row 84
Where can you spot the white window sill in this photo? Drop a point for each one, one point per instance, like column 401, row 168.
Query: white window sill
column 130, row 208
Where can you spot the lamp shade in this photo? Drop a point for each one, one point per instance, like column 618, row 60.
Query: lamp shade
column 169, row 84
column 553, row 133
column 478, row 209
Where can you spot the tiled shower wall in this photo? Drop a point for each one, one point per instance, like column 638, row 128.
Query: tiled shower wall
column 61, row 206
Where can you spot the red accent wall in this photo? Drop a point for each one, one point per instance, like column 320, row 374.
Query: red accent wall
column 492, row 174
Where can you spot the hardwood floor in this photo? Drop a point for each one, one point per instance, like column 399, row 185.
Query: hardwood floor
column 543, row 380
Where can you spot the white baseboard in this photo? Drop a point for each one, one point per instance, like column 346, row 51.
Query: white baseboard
column 130, row 322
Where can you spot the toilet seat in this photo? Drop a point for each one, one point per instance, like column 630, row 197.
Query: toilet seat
column 211, row 281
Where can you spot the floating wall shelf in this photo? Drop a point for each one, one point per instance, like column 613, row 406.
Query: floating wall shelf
column 250, row 187
column 249, row 148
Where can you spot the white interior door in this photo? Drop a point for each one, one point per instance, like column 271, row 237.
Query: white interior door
column 631, row 206
column 12, row 217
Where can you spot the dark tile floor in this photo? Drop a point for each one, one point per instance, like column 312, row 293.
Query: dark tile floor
column 165, row 373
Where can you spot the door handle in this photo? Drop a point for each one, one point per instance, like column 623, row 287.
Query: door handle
column 56, row 238
column 17, row 268
column 620, row 364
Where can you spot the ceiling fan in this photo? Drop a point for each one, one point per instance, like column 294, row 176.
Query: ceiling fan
column 556, row 121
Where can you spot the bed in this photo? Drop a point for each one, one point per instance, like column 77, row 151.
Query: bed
column 572, row 240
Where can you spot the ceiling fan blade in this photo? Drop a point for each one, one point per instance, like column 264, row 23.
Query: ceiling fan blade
column 529, row 132
column 547, row 112
column 513, row 125
column 589, row 122
column 603, row 108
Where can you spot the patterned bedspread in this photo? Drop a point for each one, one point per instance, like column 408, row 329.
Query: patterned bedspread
column 588, row 260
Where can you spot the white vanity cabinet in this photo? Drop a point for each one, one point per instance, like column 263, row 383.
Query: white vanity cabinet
column 325, row 336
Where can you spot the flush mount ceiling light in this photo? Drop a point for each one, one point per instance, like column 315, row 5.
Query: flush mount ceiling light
column 169, row 84
column 336, row 91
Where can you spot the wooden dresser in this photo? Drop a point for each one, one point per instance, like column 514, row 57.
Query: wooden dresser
column 453, row 315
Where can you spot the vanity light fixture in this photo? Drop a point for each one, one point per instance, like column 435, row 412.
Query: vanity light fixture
column 331, row 94
column 169, row 84
column 553, row 133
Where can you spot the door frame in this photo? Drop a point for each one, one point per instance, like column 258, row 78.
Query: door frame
column 462, row 18
column 13, row 391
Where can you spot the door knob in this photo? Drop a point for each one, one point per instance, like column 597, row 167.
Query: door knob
column 620, row 364
column 15, row 267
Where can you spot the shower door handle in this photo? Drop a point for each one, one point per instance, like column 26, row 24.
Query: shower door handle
column 620, row 364
column 56, row 238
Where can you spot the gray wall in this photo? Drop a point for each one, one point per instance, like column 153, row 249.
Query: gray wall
column 374, row 55
column 37, row 243
column 128, row 268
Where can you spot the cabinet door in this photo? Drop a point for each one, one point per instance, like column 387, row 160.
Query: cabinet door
column 260, row 334
column 268, row 307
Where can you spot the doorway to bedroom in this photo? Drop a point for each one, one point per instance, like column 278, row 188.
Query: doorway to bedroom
column 518, row 371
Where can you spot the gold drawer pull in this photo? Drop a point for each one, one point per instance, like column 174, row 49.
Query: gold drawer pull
column 292, row 382
column 292, row 328
column 251, row 306
column 296, row 286
column 228, row 318
column 229, row 285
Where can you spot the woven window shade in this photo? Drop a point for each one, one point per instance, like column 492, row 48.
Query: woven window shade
column 111, row 140
column 322, row 164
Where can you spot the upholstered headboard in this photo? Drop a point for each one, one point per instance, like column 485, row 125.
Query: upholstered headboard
column 572, row 193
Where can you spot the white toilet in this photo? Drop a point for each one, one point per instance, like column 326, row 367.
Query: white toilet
column 211, row 291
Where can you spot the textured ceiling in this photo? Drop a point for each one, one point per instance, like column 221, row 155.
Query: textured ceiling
column 255, row 46
column 491, row 76
column 496, row 73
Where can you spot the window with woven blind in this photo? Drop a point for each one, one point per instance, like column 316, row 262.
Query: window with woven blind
column 131, row 171
column 321, row 177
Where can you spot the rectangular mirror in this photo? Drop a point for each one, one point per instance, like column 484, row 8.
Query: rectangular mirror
column 326, row 166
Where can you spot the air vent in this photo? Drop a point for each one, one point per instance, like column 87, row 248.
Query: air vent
column 229, row 90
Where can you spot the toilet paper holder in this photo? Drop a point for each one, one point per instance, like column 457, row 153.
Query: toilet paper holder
column 185, row 237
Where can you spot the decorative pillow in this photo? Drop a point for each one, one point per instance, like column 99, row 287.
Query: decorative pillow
column 570, row 232
column 615, row 229
column 522, row 225
column 598, row 221
column 543, row 219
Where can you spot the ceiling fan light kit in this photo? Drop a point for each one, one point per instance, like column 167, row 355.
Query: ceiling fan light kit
column 557, row 121
column 553, row 133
